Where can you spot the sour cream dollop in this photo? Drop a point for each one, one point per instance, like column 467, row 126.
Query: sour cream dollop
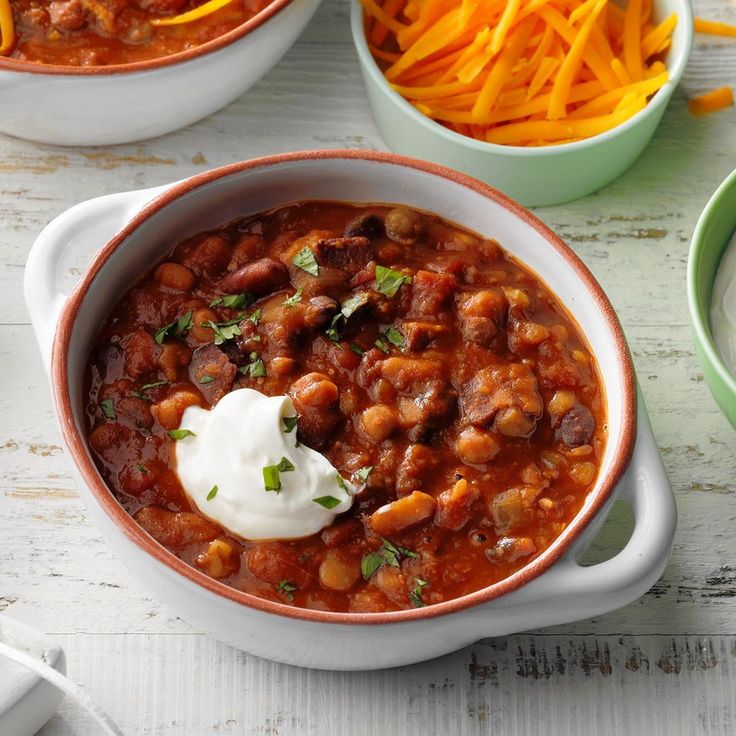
column 723, row 306
column 231, row 444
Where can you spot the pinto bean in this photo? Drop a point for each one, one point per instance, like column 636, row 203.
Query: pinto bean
column 209, row 257
column 403, row 225
column 219, row 560
column 259, row 277
column 315, row 399
column 338, row 571
column 397, row 515
column 577, row 426
column 378, row 422
column 454, row 505
column 476, row 446
column 175, row 529
column 169, row 411
column 141, row 354
column 174, row 276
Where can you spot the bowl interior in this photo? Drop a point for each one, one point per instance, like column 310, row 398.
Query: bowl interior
column 675, row 59
column 715, row 228
column 255, row 189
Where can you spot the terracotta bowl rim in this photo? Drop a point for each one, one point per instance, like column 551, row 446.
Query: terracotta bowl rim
column 125, row 523
column 215, row 44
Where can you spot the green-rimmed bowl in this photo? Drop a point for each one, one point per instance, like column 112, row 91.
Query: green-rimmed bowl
column 714, row 230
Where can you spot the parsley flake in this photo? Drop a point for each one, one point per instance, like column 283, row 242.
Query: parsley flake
column 234, row 301
column 357, row 349
column 353, row 304
column 271, row 474
column 180, row 434
column 415, row 596
column 305, row 260
column 174, row 329
column 212, row 493
column 108, row 409
column 294, row 299
column 341, row 482
column 328, row 502
column 225, row 331
column 388, row 281
column 287, row 588
column 381, row 344
column 394, row 337
column 388, row 554
column 369, row 564
column 140, row 393
column 142, row 469
column 255, row 369
column 206, row 380
column 363, row 473
column 289, row 423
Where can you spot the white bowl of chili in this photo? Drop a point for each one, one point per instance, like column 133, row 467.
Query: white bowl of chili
column 552, row 588
column 550, row 172
column 89, row 104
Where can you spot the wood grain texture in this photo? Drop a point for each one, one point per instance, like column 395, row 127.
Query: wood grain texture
column 664, row 664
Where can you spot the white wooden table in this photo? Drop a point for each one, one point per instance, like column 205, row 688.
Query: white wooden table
column 665, row 664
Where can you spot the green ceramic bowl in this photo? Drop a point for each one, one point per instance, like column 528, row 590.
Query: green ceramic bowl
column 714, row 230
column 533, row 176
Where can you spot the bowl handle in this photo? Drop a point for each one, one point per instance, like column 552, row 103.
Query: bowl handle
column 570, row 591
column 83, row 228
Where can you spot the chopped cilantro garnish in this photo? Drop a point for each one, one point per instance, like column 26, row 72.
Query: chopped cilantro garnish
column 353, row 304
column 415, row 596
column 225, row 331
column 381, row 344
column 142, row 469
column 255, row 318
column 180, row 434
column 341, row 482
column 206, row 379
column 388, row 281
column 289, row 423
column 388, row 554
column 333, row 331
column 305, row 260
column 145, row 387
column 287, row 589
column 394, row 337
column 255, row 369
column 174, row 329
column 234, row 301
column 329, row 502
column 294, row 299
column 357, row 349
column 108, row 409
column 369, row 564
column 363, row 473
column 212, row 493
column 271, row 474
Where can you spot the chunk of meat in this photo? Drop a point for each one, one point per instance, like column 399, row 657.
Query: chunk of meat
column 105, row 12
column 431, row 292
column 319, row 312
column 260, row 277
column 208, row 258
column 66, row 15
column 506, row 395
column 316, row 400
column 176, row 529
column 212, row 372
column 415, row 465
column 428, row 411
column 347, row 254
column 365, row 225
column 481, row 315
column 275, row 562
column 140, row 354
column 403, row 225
column 420, row 335
column 407, row 374
column 402, row 513
column 577, row 426
column 455, row 505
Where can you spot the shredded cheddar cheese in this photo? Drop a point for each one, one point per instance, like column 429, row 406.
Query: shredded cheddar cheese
column 200, row 12
column 714, row 28
column 7, row 27
column 521, row 72
column 712, row 101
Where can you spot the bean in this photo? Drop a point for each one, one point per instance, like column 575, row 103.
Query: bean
column 201, row 331
column 174, row 276
column 407, row 511
column 378, row 422
column 403, row 225
column 337, row 572
column 258, row 277
column 169, row 411
column 476, row 446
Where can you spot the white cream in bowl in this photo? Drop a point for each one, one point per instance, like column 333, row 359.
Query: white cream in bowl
column 221, row 467
column 723, row 306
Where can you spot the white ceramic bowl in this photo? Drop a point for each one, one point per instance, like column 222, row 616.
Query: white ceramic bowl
column 551, row 589
column 107, row 105
column 535, row 176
